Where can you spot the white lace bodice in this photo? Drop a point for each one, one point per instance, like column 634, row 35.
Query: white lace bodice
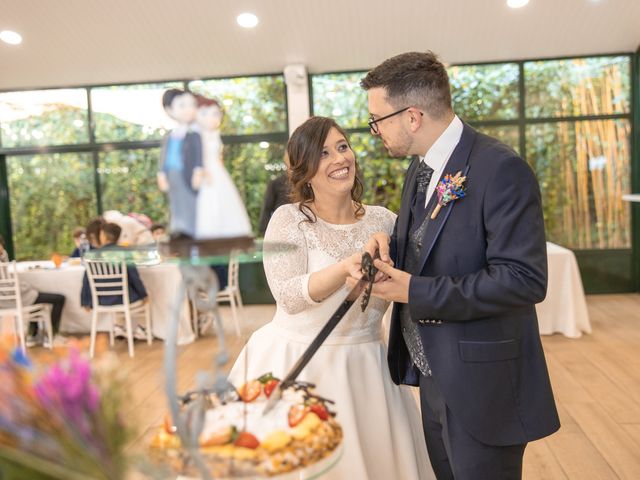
column 320, row 244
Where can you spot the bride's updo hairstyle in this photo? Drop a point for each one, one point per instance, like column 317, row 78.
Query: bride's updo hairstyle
column 304, row 150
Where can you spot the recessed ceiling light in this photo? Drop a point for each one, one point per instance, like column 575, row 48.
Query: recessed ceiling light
column 517, row 3
column 12, row 38
column 247, row 20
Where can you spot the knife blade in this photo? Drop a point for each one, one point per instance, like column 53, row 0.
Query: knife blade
column 363, row 284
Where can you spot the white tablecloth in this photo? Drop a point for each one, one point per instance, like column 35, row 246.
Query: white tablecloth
column 161, row 281
column 565, row 308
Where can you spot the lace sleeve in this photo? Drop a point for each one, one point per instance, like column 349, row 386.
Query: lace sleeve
column 286, row 269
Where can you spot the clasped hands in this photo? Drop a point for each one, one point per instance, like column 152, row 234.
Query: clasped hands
column 390, row 283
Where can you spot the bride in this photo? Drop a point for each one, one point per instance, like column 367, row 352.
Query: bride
column 382, row 428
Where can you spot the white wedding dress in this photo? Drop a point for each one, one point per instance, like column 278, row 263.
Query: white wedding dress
column 220, row 211
column 383, row 438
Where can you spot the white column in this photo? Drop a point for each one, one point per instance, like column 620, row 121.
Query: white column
column 295, row 77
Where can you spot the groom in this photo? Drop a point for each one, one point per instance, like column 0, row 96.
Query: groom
column 467, row 278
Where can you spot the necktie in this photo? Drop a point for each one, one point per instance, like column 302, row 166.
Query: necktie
column 423, row 177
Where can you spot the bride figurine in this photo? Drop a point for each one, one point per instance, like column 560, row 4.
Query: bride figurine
column 220, row 211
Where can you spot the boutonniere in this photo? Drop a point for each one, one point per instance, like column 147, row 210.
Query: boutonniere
column 449, row 189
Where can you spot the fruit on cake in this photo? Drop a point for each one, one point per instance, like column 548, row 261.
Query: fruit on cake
column 238, row 439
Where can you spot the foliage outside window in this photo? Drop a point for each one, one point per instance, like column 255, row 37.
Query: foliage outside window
column 43, row 117
column 128, row 183
column 124, row 113
column 583, row 166
column 50, row 196
column 577, row 87
column 340, row 97
column 485, row 92
column 252, row 105
column 252, row 166
column 583, row 169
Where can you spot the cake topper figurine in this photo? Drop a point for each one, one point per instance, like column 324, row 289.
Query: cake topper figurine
column 220, row 211
column 180, row 166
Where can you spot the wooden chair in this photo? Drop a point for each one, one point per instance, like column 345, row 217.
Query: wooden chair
column 107, row 279
column 11, row 305
column 231, row 293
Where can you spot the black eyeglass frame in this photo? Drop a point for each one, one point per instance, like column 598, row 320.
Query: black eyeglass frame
column 372, row 122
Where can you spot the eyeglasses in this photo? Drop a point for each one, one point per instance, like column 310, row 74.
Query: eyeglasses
column 374, row 121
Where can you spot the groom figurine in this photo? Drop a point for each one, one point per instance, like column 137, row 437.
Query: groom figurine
column 470, row 256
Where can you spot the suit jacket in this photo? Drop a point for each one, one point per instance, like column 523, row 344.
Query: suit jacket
column 191, row 155
column 482, row 269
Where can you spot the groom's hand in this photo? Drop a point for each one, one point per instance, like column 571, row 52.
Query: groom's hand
column 396, row 286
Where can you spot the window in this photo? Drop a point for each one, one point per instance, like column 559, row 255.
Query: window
column 252, row 105
column 130, row 112
column 339, row 96
column 577, row 87
column 50, row 195
column 485, row 92
column 252, row 166
column 583, row 168
column 128, row 183
column 43, row 117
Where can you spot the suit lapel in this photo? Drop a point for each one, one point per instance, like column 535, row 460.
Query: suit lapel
column 404, row 217
column 459, row 162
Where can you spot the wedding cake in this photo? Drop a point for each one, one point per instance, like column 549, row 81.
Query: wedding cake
column 239, row 440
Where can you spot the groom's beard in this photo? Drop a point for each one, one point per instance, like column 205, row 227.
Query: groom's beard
column 401, row 147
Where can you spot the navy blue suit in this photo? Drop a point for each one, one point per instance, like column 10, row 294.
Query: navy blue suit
column 483, row 267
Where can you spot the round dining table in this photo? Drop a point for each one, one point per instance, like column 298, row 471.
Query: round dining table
column 162, row 282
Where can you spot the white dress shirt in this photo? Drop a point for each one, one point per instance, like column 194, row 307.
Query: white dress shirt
column 438, row 155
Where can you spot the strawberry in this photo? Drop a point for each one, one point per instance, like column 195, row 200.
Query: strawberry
column 270, row 386
column 320, row 410
column 297, row 414
column 246, row 440
column 250, row 391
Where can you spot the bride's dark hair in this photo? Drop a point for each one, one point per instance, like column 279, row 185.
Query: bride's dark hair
column 304, row 150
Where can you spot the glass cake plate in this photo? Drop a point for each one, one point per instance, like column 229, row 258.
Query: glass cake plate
column 311, row 472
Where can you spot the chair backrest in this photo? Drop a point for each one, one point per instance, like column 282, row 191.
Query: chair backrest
column 10, row 297
column 107, row 279
column 233, row 276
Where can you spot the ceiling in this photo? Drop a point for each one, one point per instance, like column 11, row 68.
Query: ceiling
column 78, row 42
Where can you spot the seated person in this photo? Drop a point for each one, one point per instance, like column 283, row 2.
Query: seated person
column 93, row 231
column 158, row 230
column 109, row 234
column 79, row 238
column 133, row 231
column 31, row 296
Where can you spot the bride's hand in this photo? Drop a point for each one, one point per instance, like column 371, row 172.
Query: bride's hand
column 352, row 266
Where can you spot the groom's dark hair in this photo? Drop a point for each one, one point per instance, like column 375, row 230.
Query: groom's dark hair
column 413, row 79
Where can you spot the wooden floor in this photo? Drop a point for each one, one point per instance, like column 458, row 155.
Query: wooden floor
column 596, row 381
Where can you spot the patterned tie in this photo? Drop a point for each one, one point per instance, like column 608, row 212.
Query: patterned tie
column 423, row 177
